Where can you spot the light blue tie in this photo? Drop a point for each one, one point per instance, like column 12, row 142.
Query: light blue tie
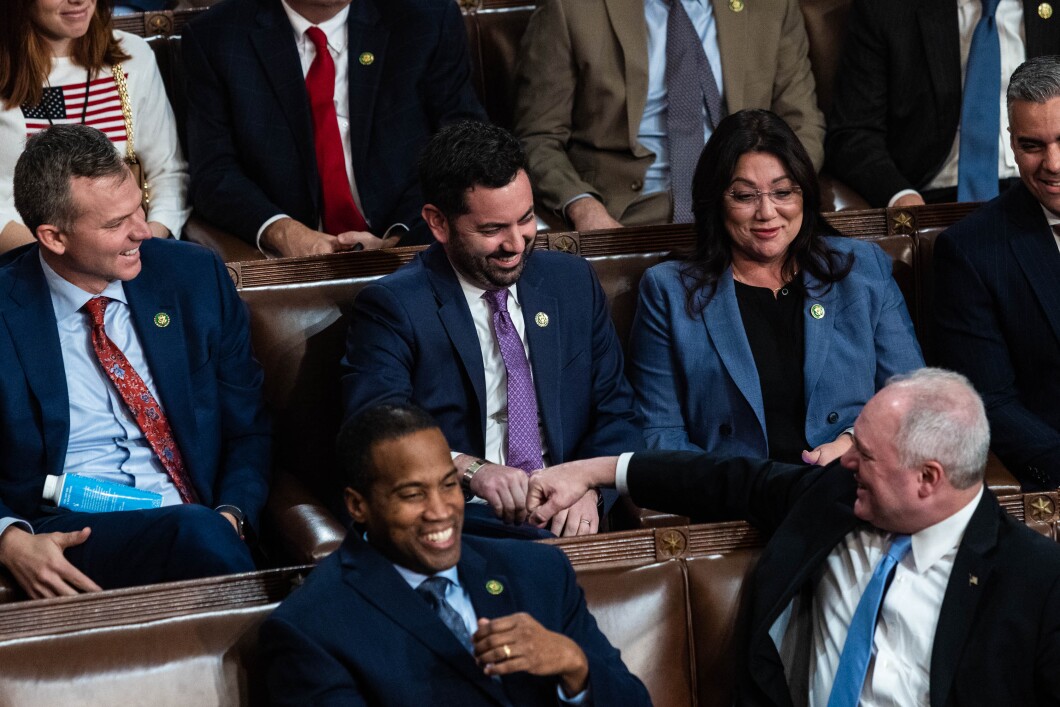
column 433, row 591
column 981, row 112
column 854, row 662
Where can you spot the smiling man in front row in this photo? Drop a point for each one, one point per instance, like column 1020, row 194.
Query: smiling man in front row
column 126, row 359
column 414, row 614
column 513, row 352
column 972, row 616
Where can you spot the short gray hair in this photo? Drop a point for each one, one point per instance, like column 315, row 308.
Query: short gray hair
column 1036, row 80
column 945, row 422
column 51, row 159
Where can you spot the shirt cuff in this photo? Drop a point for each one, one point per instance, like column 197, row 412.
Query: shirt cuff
column 6, row 523
column 582, row 698
column 257, row 240
column 899, row 195
column 621, row 469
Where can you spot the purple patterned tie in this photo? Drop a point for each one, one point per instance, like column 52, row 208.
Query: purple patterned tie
column 524, row 437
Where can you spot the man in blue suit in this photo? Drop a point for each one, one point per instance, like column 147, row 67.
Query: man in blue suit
column 127, row 359
column 429, row 334
column 413, row 614
column 262, row 165
column 997, row 284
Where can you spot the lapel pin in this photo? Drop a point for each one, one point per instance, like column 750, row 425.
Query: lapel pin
column 541, row 319
column 494, row 587
column 973, row 581
column 366, row 58
column 817, row 311
column 161, row 320
column 736, row 5
column 1045, row 11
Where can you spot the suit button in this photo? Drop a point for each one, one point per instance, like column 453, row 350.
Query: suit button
column 725, row 430
column 833, row 417
column 637, row 185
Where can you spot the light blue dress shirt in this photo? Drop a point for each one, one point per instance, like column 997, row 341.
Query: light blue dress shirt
column 652, row 131
column 459, row 599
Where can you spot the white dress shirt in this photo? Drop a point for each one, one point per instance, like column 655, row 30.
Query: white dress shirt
column 496, row 449
column 1053, row 220
column 1012, row 37
column 335, row 30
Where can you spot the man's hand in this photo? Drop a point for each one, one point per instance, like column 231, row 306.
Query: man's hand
column 504, row 488
column 351, row 239
column 588, row 214
column 582, row 518
column 289, row 238
column 908, row 200
column 559, row 487
column 158, row 230
column 234, row 521
column 829, row 451
column 38, row 564
column 518, row 643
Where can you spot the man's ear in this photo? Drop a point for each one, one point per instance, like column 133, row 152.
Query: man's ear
column 437, row 222
column 356, row 504
column 52, row 238
column 932, row 476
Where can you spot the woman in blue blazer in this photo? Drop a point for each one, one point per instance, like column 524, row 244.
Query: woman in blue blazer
column 771, row 335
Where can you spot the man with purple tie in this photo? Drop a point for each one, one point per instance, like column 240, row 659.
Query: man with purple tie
column 513, row 352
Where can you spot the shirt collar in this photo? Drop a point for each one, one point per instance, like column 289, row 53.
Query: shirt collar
column 474, row 292
column 933, row 542
column 68, row 298
column 415, row 579
column 334, row 29
column 1050, row 218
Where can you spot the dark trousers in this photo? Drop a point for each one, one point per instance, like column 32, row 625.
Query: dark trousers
column 131, row 548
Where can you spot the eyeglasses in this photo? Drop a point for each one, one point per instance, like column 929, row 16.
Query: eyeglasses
column 750, row 197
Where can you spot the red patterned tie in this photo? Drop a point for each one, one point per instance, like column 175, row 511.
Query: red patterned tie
column 340, row 212
column 138, row 399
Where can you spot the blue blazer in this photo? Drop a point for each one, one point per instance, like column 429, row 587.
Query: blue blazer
column 695, row 379
column 250, row 130
column 997, row 308
column 357, row 634
column 412, row 339
column 208, row 381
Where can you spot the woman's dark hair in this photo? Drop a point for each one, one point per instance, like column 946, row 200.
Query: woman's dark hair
column 740, row 133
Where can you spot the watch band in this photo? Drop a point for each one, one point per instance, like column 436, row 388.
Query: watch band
column 469, row 473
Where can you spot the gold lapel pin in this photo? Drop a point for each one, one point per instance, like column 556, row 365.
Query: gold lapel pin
column 162, row 320
column 817, row 311
column 541, row 319
column 973, row 581
column 366, row 58
column 1045, row 11
column 494, row 587
column 736, row 5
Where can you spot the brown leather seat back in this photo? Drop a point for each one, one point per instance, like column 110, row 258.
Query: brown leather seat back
column 643, row 610
column 620, row 277
column 826, row 22
column 495, row 40
column 902, row 253
column 925, row 244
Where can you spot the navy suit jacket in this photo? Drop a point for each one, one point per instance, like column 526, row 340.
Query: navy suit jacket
column 997, row 641
column 897, row 99
column 208, row 381
column 250, row 129
column 412, row 339
column 997, row 310
column 357, row 634
column 696, row 381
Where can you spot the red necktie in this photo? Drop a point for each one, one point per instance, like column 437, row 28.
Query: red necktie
column 138, row 399
column 340, row 212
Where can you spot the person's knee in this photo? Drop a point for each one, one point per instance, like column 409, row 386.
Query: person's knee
column 205, row 544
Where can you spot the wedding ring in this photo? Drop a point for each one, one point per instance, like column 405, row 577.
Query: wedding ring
column 507, row 651
column 586, row 521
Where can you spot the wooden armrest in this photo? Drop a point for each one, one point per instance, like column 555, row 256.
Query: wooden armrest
column 297, row 524
column 836, row 196
column 626, row 515
column 230, row 248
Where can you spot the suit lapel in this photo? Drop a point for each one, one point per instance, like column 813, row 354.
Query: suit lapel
column 970, row 574
column 939, row 32
column 367, row 35
column 165, row 349
column 1032, row 242
column 273, row 40
column 372, row 576
column 629, row 26
column 818, row 333
column 545, row 360
column 456, row 318
column 734, row 45
column 35, row 336
column 724, row 325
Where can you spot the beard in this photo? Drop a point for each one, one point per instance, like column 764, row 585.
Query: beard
column 480, row 269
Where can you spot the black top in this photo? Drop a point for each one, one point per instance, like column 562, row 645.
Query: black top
column 774, row 327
